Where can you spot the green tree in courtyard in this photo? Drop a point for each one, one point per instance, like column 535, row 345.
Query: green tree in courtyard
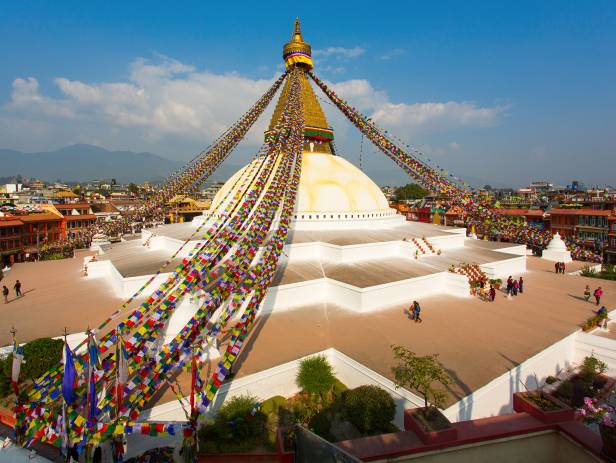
column 421, row 374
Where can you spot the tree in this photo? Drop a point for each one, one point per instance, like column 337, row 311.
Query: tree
column 410, row 191
column 487, row 187
column 421, row 373
column 133, row 189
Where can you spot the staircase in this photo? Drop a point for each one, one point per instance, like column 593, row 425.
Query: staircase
column 473, row 273
column 424, row 248
column 428, row 246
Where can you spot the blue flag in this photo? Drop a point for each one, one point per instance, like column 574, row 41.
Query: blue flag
column 69, row 382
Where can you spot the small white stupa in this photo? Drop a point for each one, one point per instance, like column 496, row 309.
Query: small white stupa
column 557, row 250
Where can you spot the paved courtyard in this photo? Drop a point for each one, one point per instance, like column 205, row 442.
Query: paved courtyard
column 477, row 341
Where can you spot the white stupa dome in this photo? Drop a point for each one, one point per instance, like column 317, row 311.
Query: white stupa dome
column 332, row 193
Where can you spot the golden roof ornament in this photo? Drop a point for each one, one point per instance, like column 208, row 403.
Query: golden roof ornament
column 297, row 52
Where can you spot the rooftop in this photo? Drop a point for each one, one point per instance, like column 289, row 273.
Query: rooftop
column 476, row 341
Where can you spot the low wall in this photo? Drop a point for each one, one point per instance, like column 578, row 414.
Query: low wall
column 280, row 380
column 504, row 268
column 286, row 297
column 604, row 349
column 495, row 398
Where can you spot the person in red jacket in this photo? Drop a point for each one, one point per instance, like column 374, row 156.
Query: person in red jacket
column 598, row 294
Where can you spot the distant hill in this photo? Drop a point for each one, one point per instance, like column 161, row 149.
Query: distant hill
column 86, row 162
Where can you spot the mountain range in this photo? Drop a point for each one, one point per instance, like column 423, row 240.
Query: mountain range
column 80, row 163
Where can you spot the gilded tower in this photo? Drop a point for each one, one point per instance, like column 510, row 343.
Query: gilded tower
column 298, row 54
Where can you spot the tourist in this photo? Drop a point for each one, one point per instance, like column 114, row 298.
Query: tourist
column 556, row 267
column 17, row 288
column 587, row 293
column 492, row 293
column 482, row 292
column 515, row 287
column 509, row 285
column 416, row 311
column 598, row 294
column 602, row 312
column 5, row 293
column 521, row 285
column 562, row 268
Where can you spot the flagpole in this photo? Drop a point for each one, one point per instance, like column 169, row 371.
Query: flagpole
column 14, row 381
column 66, row 430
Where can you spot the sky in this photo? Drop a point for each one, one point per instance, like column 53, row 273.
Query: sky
column 499, row 93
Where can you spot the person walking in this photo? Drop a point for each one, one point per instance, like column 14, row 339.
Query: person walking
column 515, row 287
column 521, row 285
column 562, row 268
column 556, row 267
column 492, row 293
column 587, row 293
column 416, row 312
column 482, row 293
column 5, row 293
column 598, row 294
column 17, row 288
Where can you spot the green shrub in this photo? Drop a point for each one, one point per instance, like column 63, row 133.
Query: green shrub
column 591, row 367
column 234, row 429
column 339, row 388
column 40, row 355
column 588, row 272
column 565, row 389
column 315, row 375
column 273, row 404
column 551, row 380
column 369, row 408
column 321, row 425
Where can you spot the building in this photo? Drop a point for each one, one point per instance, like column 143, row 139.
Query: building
column 454, row 217
column 11, row 247
column 533, row 217
column 184, row 208
column 77, row 216
column 587, row 225
column 419, row 214
column 610, row 252
column 105, row 212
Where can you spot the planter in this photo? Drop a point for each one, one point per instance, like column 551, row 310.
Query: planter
column 284, row 450
column 608, row 437
column 521, row 404
column 577, row 394
column 428, row 437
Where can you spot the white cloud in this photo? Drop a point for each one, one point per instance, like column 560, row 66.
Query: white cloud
column 392, row 54
column 174, row 109
column 416, row 117
column 338, row 52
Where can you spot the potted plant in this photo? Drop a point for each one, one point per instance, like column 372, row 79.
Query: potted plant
column 422, row 374
column 605, row 417
column 589, row 381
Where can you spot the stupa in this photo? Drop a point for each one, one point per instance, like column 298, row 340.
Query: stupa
column 557, row 250
column 333, row 193
column 346, row 246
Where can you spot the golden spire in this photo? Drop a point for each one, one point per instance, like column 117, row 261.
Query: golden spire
column 297, row 33
column 298, row 53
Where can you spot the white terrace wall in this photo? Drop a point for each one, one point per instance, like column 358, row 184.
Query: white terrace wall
column 504, row 268
column 495, row 398
column 286, row 297
column 280, row 380
column 604, row 349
